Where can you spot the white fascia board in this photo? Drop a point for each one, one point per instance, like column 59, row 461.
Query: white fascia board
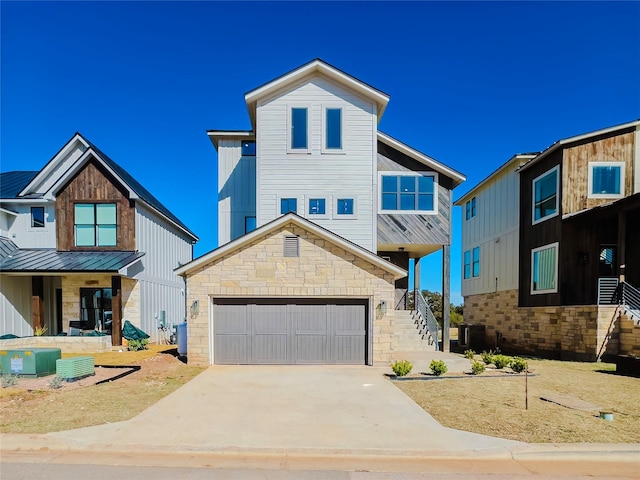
column 291, row 218
column 9, row 212
column 505, row 166
column 216, row 135
column 26, row 201
column 457, row 177
column 46, row 170
column 578, row 138
column 123, row 270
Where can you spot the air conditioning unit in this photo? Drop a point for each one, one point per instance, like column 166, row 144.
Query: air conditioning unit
column 75, row 368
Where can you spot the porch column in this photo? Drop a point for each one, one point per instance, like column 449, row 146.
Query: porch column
column 446, row 281
column 416, row 274
column 116, row 311
column 37, row 302
column 622, row 234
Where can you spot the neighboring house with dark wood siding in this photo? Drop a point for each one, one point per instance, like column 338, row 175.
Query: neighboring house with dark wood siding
column 84, row 245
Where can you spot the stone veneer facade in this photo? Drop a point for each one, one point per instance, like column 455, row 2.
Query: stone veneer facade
column 259, row 269
column 582, row 332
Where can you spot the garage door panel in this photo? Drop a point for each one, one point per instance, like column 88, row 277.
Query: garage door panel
column 231, row 349
column 311, row 349
column 231, row 319
column 269, row 349
column 348, row 350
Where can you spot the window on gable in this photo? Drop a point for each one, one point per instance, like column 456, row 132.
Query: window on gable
column 333, row 129
column 606, row 179
column 299, row 128
column 95, row 225
column 288, row 205
column 545, row 195
column 344, row 206
column 37, row 217
column 248, row 148
column 408, row 193
column 470, row 208
column 544, row 269
column 249, row 224
column 317, row 206
column 467, row 264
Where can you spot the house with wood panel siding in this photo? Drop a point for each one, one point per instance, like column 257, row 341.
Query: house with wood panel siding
column 321, row 216
column 551, row 263
column 83, row 245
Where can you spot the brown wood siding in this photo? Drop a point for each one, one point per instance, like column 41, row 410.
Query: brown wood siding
column 93, row 184
column 575, row 170
column 538, row 235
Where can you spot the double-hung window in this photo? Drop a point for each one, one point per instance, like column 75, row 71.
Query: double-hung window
column 288, row 205
column 606, row 179
column 95, row 225
column 409, row 193
column 299, row 129
column 333, row 130
column 544, row 269
column 545, row 195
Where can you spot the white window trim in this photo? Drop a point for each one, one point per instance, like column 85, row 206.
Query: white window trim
column 436, row 187
column 323, row 143
column 533, row 196
column 344, row 216
column 289, row 121
column 317, row 216
column 555, row 273
column 606, row 195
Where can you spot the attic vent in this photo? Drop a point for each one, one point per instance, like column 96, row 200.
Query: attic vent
column 291, row 246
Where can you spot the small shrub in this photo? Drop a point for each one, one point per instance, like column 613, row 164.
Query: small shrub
column 501, row 361
column 56, row 382
column 469, row 354
column 40, row 331
column 135, row 345
column 9, row 380
column 487, row 357
column 438, row 367
column 477, row 368
column 401, row 367
column 518, row 364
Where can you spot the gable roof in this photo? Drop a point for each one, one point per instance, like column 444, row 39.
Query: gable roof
column 315, row 67
column 291, row 219
column 577, row 138
column 456, row 176
column 12, row 183
column 136, row 190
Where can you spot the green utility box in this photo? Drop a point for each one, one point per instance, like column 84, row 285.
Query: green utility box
column 29, row 362
column 74, row 368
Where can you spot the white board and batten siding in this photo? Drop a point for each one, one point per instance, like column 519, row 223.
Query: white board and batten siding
column 166, row 248
column 23, row 234
column 236, row 189
column 495, row 230
column 15, row 305
column 350, row 173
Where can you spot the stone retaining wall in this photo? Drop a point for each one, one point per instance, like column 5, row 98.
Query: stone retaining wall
column 66, row 344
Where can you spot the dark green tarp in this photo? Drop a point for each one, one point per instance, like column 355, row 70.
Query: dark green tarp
column 130, row 332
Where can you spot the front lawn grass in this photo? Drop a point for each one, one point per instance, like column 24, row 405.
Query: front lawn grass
column 496, row 406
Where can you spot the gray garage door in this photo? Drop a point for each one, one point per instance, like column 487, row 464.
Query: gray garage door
column 287, row 331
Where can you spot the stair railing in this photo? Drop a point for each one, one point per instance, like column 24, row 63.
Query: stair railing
column 426, row 318
column 629, row 299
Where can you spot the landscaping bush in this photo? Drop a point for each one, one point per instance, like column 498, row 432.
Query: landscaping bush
column 487, row 357
column 135, row 345
column 469, row 354
column 438, row 367
column 518, row 364
column 401, row 367
column 9, row 380
column 501, row 361
column 55, row 383
column 477, row 368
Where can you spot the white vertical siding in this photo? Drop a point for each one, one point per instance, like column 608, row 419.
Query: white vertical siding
column 15, row 306
column 236, row 190
column 165, row 249
column 495, row 230
column 24, row 235
column 317, row 174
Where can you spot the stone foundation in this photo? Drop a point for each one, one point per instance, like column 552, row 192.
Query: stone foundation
column 65, row 344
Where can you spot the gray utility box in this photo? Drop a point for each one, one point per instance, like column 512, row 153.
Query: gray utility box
column 30, row 362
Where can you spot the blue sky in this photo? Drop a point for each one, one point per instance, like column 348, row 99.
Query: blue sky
column 470, row 83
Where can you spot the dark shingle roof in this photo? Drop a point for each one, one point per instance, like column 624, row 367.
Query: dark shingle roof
column 51, row 260
column 12, row 183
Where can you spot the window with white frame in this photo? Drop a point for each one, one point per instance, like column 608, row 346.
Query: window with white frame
column 471, row 263
column 470, row 208
column 545, row 195
column 606, row 180
column 299, row 134
column 288, row 205
column 544, row 269
column 408, row 193
column 332, row 123
column 345, row 207
column 317, row 206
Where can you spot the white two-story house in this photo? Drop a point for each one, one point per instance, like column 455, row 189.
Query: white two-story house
column 321, row 216
column 83, row 245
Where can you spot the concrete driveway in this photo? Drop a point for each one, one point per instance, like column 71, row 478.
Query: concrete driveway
column 296, row 408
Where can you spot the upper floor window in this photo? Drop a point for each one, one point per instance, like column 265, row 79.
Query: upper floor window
column 249, row 224
column 404, row 193
column 95, row 225
column 544, row 269
column 299, row 128
column 333, row 129
column 288, row 205
column 467, row 264
column 606, row 179
column 476, row 262
column 344, row 206
column 470, row 208
column 37, row 217
column 317, row 206
column 248, row 148
column 472, row 263
column 545, row 195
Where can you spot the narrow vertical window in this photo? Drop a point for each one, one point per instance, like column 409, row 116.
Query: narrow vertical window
column 334, row 128
column 298, row 128
column 37, row 217
column 545, row 195
column 476, row 262
column 544, row 269
column 467, row 264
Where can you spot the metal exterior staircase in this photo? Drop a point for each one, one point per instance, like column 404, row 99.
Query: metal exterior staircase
column 415, row 330
column 629, row 300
